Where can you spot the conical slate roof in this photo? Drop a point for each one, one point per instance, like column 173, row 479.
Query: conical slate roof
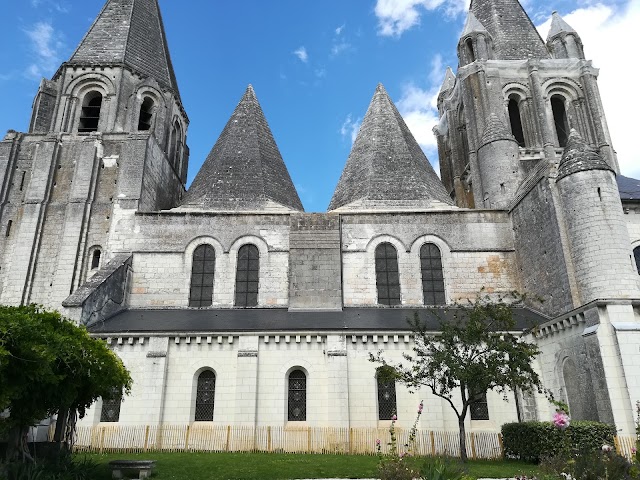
column 514, row 35
column 387, row 168
column 449, row 81
column 495, row 130
column 244, row 171
column 129, row 33
column 579, row 156
column 559, row 26
column 472, row 25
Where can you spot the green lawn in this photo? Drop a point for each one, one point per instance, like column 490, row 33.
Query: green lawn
column 254, row 466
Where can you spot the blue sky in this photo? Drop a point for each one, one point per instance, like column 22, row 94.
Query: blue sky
column 314, row 66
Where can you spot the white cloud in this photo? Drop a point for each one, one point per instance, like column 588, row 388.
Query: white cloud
column 60, row 7
column 302, row 54
column 340, row 29
column 608, row 35
column 45, row 45
column 350, row 128
column 397, row 16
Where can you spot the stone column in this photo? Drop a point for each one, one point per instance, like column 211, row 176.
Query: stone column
column 155, row 380
column 337, row 381
column 540, row 108
column 247, row 381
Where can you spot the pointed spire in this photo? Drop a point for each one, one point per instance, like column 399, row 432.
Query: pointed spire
column 244, row 171
column 472, row 25
column 514, row 35
column 129, row 33
column 387, row 168
column 449, row 81
column 579, row 156
column 495, row 130
column 559, row 26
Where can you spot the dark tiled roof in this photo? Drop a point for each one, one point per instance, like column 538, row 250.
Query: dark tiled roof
column 129, row 33
column 579, row 156
column 386, row 163
column 514, row 35
column 558, row 26
column 472, row 25
column 282, row 320
column 629, row 188
column 244, row 171
column 449, row 81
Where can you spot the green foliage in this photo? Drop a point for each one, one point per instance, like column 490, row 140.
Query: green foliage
column 473, row 352
column 63, row 467
column 531, row 441
column 397, row 465
column 591, row 466
column 439, row 469
column 48, row 363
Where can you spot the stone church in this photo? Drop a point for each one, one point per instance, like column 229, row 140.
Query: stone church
column 229, row 304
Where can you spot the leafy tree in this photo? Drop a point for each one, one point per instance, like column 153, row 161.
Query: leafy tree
column 49, row 365
column 473, row 352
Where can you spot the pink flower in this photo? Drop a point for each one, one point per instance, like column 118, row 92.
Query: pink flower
column 394, row 418
column 377, row 442
column 607, row 448
column 420, row 408
column 561, row 420
column 633, row 450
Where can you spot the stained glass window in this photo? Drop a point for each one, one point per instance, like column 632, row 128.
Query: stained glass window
column 205, row 396
column 297, row 404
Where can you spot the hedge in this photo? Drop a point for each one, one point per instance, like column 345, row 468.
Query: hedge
column 531, row 441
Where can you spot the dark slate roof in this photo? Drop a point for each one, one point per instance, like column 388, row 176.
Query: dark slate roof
column 129, row 33
column 282, row 320
column 579, row 156
column 449, row 81
column 558, row 26
column 244, row 171
column 495, row 130
column 514, row 35
column 386, row 166
column 629, row 188
column 472, row 25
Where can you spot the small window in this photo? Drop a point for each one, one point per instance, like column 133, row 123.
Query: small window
column 111, row 409
column 95, row 259
column 175, row 145
column 297, row 401
column 205, row 396
column 387, row 275
column 479, row 408
column 516, row 122
column 146, row 113
column 432, row 277
column 387, row 406
column 470, row 53
column 90, row 114
column 636, row 256
column 560, row 120
column 9, row 224
column 202, row 270
column 247, row 275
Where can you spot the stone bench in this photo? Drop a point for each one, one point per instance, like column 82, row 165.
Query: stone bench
column 142, row 468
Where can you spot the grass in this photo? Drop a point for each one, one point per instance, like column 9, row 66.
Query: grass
column 261, row 466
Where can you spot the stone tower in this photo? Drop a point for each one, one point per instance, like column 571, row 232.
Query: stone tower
column 512, row 103
column 107, row 134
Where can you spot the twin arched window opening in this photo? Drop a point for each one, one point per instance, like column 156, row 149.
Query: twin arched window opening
column 146, row 115
column 388, row 276
column 205, row 396
column 516, row 121
column 297, row 397
column 90, row 113
column 560, row 119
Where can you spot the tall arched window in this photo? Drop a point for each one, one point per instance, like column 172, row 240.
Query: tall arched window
column 90, row 114
column 387, row 406
column 205, row 396
column 432, row 277
column 95, row 259
column 111, row 409
column 387, row 276
column 636, row 256
column 560, row 120
column 146, row 114
column 470, row 53
column 516, row 121
column 247, row 274
column 297, row 398
column 176, row 144
column 202, row 270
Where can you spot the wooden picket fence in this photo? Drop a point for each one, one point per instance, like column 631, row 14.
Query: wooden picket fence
column 227, row 438
column 625, row 444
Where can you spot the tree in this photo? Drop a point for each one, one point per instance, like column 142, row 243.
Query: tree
column 50, row 365
column 475, row 351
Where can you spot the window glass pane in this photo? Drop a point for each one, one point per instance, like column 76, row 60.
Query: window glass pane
column 432, row 275
column 111, row 410
column 479, row 408
column 297, row 400
column 205, row 396
column 247, row 275
column 387, row 407
column 202, row 277
column 387, row 276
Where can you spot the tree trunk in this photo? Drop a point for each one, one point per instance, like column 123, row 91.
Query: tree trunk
column 463, row 439
column 17, row 447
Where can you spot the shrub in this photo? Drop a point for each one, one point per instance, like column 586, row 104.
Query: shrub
column 531, row 441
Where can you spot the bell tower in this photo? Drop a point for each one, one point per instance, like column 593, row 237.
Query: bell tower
column 107, row 134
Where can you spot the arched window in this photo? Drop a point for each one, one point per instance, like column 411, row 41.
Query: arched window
column 146, row 113
column 516, row 121
column 111, row 409
column 387, row 277
column 202, row 270
column 479, row 408
column 636, row 256
column 95, row 259
column 297, row 399
column 176, row 144
column 432, row 277
column 205, row 396
column 247, row 274
column 560, row 120
column 387, row 406
column 470, row 53
column 90, row 114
